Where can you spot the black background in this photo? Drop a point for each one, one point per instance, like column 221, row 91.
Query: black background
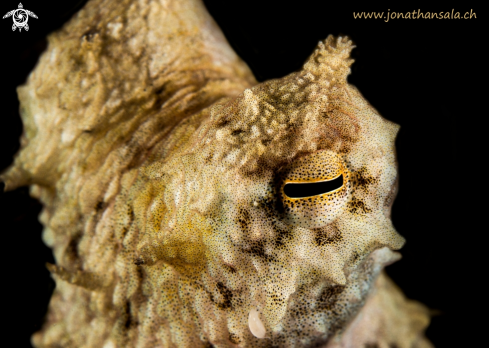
column 428, row 75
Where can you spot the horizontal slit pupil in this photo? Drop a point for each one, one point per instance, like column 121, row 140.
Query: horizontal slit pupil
column 309, row 189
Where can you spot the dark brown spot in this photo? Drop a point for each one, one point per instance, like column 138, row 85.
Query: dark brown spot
column 127, row 309
column 99, row 206
column 160, row 90
column 329, row 234
column 372, row 345
column 226, row 294
column 329, row 297
column 363, row 179
column 237, row 132
column 234, row 338
column 223, row 122
column 282, row 235
column 71, row 254
column 89, row 35
column 244, row 219
column 139, row 262
column 356, row 206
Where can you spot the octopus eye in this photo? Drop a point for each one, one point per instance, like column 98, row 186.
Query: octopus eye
column 314, row 189
column 310, row 189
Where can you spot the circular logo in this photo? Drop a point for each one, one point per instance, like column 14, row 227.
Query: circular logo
column 20, row 17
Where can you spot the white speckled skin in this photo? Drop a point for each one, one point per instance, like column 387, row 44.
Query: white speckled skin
column 161, row 165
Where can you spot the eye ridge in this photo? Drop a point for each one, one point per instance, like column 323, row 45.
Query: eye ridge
column 310, row 189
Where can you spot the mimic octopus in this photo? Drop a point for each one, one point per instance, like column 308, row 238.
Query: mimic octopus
column 188, row 205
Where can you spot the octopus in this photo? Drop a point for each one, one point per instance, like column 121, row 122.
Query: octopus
column 188, row 205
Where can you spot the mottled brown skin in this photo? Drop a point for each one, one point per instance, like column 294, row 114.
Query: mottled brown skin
column 161, row 164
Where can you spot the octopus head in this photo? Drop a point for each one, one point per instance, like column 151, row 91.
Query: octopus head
column 280, row 207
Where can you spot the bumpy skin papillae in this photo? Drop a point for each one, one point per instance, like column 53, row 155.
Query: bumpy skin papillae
column 161, row 165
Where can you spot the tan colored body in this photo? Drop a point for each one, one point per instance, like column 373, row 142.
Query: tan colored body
column 161, row 165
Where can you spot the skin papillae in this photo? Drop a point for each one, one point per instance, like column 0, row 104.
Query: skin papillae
column 161, row 164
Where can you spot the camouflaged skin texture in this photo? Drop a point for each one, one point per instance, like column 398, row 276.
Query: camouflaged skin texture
column 163, row 169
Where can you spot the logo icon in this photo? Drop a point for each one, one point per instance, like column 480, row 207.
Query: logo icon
column 20, row 17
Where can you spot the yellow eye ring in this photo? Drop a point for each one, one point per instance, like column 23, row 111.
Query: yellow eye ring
column 301, row 189
column 314, row 189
